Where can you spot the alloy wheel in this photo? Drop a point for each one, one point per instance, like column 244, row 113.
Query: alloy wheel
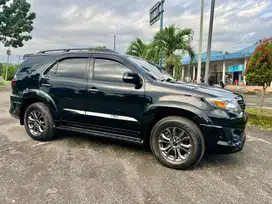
column 36, row 122
column 175, row 144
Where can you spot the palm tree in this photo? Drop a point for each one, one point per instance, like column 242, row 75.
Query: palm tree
column 137, row 48
column 172, row 39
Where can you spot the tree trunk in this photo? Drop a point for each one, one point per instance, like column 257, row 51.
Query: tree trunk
column 262, row 98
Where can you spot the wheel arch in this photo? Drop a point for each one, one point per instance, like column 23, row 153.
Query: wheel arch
column 192, row 113
column 35, row 96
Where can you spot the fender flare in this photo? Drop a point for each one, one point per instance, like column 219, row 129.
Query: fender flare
column 31, row 95
column 160, row 110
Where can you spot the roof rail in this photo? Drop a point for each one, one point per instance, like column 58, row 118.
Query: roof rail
column 77, row 49
column 27, row 55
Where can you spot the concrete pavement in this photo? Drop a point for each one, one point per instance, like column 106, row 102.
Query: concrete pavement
column 79, row 169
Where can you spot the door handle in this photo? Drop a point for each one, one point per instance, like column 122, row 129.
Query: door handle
column 93, row 90
column 46, row 85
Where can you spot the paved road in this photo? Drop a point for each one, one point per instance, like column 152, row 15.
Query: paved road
column 254, row 100
column 80, row 169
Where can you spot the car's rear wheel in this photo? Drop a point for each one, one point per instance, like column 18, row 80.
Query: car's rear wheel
column 38, row 122
column 177, row 142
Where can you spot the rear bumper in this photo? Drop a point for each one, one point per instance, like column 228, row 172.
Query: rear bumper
column 15, row 107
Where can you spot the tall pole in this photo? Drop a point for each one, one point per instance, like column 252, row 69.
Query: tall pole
column 114, row 42
column 7, row 65
column 200, row 43
column 161, row 26
column 207, row 69
column 19, row 59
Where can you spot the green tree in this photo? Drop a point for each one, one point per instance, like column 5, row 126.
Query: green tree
column 259, row 68
column 11, row 71
column 1, row 69
column 172, row 39
column 16, row 22
column 173, row 62
column 169, row 41
column 137, row 48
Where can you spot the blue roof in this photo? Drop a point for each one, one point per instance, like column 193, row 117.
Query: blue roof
column 219, row 56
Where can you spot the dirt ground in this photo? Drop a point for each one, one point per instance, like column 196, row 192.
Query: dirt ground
column 76, row 168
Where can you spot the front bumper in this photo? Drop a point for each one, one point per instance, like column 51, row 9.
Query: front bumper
column 228, row 138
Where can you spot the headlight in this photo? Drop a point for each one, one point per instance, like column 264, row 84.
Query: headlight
column 226, row 104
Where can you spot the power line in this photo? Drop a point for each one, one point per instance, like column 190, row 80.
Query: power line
column 133, row 19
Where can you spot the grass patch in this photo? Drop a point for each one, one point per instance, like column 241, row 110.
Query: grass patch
column 261, row 120
column 5, row 83
column 256, row 111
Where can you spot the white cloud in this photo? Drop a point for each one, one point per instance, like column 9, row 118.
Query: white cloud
column 254, row 8
column 69, row 23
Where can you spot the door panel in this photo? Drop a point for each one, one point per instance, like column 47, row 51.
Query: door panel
column 66, row 83
column 112, row 104
column 115, row 105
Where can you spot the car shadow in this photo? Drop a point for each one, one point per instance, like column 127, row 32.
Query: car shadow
column 80, row 140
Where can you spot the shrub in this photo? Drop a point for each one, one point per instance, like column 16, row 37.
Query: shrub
column 259, row 68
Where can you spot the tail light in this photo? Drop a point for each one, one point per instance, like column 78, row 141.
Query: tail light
column 13, row 83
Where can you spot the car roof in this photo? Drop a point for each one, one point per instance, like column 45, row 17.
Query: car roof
column 72, row 51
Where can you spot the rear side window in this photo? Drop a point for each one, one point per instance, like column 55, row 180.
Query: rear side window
column 109, row 70
column 74, row 68
column 30, row 63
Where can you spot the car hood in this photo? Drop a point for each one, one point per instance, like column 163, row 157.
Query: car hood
column 204, row 90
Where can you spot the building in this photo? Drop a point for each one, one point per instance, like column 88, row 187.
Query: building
column 226, row 67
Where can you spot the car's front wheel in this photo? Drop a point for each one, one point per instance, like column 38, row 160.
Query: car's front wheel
column 177, row 142
column 38, row 122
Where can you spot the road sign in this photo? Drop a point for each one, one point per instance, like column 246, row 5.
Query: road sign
column 155, row 13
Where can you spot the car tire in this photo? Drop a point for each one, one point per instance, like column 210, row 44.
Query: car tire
column 181, row 129
column 38, row 122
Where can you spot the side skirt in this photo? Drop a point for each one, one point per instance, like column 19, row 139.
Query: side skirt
column 100, row 133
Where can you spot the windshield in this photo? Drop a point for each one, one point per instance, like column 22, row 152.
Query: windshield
column 152, row 70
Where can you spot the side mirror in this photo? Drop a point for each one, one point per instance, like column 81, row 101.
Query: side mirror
column 132, row 78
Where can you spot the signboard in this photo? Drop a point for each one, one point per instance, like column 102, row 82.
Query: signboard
column 236, row 68
column 155, row 12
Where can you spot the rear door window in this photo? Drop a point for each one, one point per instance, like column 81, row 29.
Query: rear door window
column 73, row 68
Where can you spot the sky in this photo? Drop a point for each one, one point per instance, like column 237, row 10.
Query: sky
column 85, row 23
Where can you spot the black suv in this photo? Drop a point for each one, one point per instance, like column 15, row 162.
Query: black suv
column 106, row 94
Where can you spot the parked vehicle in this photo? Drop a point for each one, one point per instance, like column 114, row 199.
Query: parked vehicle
column 106, row 94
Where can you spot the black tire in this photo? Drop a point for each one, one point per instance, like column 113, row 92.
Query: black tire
column 47, row 121
column 192, row 131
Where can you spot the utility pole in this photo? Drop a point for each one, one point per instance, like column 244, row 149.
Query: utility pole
column 207, row 69
column 7, row 66
column 200, row 43
column 161, row 26
column 114, row 42
column 19, row 59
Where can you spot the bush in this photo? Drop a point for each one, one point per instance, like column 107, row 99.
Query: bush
column 259, row 68
column 11, row 71
column 2, row 69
